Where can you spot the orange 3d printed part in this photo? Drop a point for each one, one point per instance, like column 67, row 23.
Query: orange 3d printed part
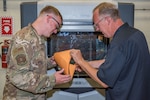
column 63, row 58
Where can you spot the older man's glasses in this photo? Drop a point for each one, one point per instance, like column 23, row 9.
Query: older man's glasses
column 96, row 24
column 58, row 25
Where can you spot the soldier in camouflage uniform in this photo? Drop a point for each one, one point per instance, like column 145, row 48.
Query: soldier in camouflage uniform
column 26, row 77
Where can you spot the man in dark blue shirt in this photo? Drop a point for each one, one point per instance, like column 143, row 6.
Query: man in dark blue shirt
column 125, row 70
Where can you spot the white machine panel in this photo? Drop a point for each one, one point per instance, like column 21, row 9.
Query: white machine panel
column 73, row 9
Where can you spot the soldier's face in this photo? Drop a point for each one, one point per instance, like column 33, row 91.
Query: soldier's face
column 54, row 24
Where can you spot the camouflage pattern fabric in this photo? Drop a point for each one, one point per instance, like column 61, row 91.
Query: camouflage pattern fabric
column 26, row 77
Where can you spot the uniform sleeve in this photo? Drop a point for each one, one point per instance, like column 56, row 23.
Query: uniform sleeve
column 110, row 70
column 49, row 64
column 32, row 82
column 25, row 75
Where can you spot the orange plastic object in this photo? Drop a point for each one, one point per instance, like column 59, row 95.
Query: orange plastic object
column 63, row 58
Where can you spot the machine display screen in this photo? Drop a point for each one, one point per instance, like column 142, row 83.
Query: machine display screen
column 92, row 45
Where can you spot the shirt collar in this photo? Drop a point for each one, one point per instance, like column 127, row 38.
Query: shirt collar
column 40, row 38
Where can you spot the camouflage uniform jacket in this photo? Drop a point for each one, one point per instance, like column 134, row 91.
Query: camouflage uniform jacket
column 26, row 77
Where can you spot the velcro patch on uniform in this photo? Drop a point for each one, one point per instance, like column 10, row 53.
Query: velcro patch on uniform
column 21, row 59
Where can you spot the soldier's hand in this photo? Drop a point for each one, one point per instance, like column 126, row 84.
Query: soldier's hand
column 52, row 60
column 61, row 78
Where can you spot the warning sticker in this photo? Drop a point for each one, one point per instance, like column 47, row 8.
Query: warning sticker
column 6, row 26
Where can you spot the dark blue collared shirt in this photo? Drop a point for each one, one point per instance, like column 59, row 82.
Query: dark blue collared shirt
column 127, row 66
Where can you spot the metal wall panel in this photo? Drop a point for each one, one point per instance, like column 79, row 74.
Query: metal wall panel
column 28, row 13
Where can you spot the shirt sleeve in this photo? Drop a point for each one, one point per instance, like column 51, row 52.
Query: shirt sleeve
column 110, row 70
